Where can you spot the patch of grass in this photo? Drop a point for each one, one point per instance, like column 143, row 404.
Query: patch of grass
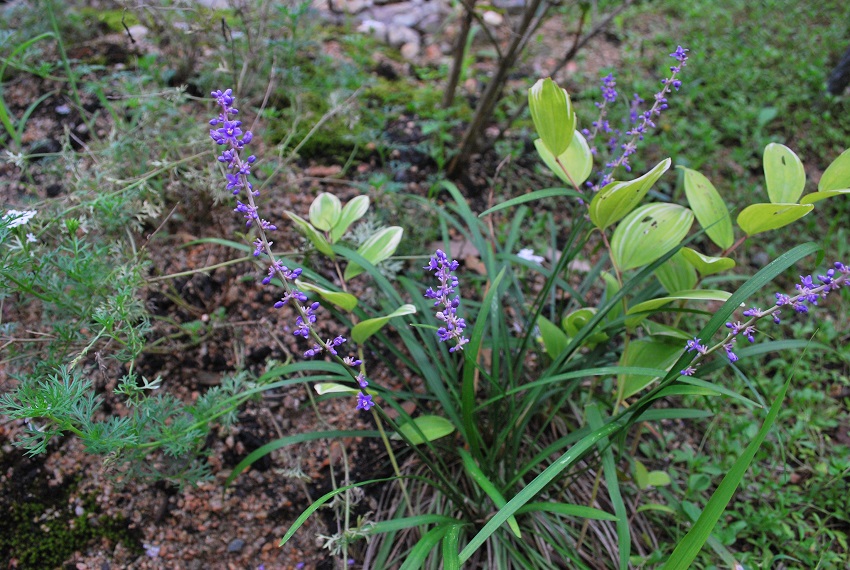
column 750, row 80
column 792, row 507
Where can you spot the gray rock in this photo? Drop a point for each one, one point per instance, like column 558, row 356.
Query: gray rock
column 397, row 36
column 430, row 23
column 512, row 6
column 374, row 27
column 410, row 50
column 235, row 545
column 409, row 19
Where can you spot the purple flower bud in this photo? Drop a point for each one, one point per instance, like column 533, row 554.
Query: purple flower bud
column 728, row 347
column 361, row 380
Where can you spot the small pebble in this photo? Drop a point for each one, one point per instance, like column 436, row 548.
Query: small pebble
column 235, row 545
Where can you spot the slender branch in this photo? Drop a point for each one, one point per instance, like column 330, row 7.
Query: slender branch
column 459, row 53
column 578, row 43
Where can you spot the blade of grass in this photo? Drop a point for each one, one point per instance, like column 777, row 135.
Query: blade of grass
column 537, row 485
column 693, row 542
column 450, row 542
column 302, row 518
column 531, row 196
column 487, row 486
column 609, row 466
column 471, row 355
column 423, row 548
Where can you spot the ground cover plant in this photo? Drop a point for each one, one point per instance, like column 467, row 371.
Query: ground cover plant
column 540, row 379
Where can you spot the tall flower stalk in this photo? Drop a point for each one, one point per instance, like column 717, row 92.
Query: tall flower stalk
column 808, row 296
column 227, row 132
column 641, row 122
column 444, row 269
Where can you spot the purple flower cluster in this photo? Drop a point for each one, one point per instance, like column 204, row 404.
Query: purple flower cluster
column 601, row 124
column 228, row 133
column 808, row 295
column 443, row 269
column 609, row 93
column 641, row 121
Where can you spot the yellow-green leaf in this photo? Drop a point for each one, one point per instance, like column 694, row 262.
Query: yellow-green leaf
column 837, row 174
column 573, row 322
column 323, row 388
column 345, row 301
column 658, row 479
column 377, row 248
column 554, row 339
column 760, row 218
column 617, row 199
column 705, row 264
column 823, row 195
column 657, row 329
column 677, row 274
column 577, row 160
column 648, row 233
column 552, row 113
column 709, row 208
column 784, row 175
column 317, row 239
column 646, row 353
column 640, row 311
column 367, row 328
column 353, row 210
column 641, row 475
column 432, row 427
column 325, row 211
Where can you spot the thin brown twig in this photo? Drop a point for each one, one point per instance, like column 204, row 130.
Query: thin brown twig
column 578, row 43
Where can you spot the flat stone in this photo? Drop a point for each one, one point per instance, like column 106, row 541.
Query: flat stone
column 409, row 19
column 235, row 545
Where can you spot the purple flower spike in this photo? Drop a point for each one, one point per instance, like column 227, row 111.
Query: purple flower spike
column 609, row 93
column 641, row 122
column 227, row 132
column 689, row 371
column 443, row 267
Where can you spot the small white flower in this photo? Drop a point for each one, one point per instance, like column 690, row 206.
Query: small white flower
column 151, row 550
column 31, row 238
column 528, row 255
column 18, row 218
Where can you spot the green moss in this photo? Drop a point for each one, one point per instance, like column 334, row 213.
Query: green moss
column 40, row 529
column 109, row 18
